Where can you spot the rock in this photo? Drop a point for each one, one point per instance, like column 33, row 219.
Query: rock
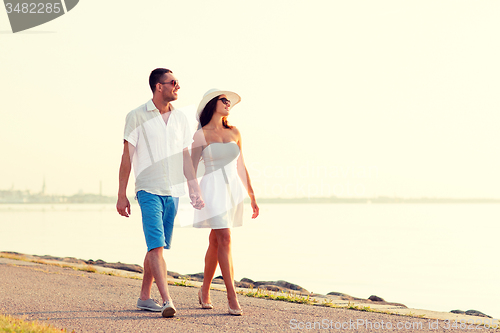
column 14, row 253
column 471, row 313
column 124, row 267
column 380, row 300
column 71, row 260
column 175, row 275
column 242, row 284
column 218, row 281
column 270, row 287
column 282, row 284
column 66, row 259
column 476, row 313
column 115, row 265
column 397, row 304
column 291, row 286
column 195, row 277
column 247, row 280
column 457, row 311
column 334, row 293
column 376, row 298
column 372, row 298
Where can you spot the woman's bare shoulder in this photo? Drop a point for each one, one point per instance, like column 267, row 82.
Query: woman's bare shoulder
column 235, row 131
column 199, row 137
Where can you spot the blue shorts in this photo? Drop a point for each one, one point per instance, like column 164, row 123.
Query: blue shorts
column 158, row 214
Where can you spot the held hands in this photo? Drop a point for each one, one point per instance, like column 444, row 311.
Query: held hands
column 196, row 200
column 195, row 194
column 123, row 206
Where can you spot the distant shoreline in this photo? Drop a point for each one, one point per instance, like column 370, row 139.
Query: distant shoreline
column 99, row 199
column 376, row 200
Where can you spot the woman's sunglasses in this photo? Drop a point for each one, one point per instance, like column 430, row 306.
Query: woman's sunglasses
column 225, row 100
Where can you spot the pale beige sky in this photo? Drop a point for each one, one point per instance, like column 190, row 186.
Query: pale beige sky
column 347, row 98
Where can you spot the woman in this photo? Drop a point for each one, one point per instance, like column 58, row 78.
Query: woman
column 219, row 145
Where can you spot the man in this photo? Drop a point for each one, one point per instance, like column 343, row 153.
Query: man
column 155, row 143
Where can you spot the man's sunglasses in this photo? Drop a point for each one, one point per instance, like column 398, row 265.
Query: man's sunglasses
column 175, row 83
column 225, row 100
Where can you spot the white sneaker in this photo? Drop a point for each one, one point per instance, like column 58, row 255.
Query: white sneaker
column 149, row 305
column 168, row 309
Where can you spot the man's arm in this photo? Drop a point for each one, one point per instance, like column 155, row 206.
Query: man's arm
column 123, row 204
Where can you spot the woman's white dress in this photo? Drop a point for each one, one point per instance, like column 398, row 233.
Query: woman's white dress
column 221, row 188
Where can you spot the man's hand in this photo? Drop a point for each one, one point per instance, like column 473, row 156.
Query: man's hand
column 123, row 206
column 196, row 200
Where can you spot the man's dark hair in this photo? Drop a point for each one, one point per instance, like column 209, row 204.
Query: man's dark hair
column 155, row 77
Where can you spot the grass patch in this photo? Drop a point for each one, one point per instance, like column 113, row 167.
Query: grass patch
column 360, row 308
column 183, row 283
column 328, row 303
column 12, row 256
column 282, row 296
column 297, row 298
column 87, row 268
column 11, row 324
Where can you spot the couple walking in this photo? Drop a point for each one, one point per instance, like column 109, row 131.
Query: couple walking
column 156, row 143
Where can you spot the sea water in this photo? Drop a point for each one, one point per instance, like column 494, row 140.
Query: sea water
column 429, row 256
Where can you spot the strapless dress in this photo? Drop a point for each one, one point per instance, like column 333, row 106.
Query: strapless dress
column 221, row 188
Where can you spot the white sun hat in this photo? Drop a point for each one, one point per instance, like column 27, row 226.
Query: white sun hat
column 232, row 96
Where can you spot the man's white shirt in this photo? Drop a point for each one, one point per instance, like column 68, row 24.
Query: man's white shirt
column 158, row 158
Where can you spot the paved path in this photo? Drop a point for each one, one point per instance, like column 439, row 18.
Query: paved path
column 91, row 302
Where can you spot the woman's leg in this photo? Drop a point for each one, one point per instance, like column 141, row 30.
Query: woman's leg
column 226, row 265
column 210, row 266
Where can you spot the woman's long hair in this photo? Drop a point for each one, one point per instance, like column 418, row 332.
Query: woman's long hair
column 208, row 112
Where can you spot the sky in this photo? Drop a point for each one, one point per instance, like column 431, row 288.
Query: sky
column 346, row 98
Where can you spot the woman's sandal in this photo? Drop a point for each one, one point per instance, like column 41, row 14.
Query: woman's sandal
column 204, row 305
column 234, row 312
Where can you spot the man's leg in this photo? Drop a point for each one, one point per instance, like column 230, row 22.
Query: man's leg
column 152, row 209
column 157, row 263
column 155, row 268
column 147, row 280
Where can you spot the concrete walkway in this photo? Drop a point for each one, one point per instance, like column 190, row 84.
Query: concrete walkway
column 91, row 302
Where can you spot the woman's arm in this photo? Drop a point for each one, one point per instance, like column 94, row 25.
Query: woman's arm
column 245, row 177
